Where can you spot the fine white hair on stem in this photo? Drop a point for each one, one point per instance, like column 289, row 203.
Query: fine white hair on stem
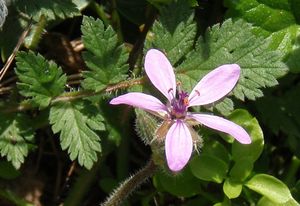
column 131, row 184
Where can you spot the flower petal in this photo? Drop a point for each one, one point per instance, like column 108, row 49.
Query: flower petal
column 161, row 73
column 140, row 100
column 215, row 85
column 178, row 145
column 223, row 125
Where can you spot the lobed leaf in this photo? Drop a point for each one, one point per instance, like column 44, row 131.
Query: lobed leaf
column 277, row 19
column 15, row 137
column 76, row 122
column 233, row 42
column 174, row 32
column 51, row 9
column 40, row 80
column 106, row 59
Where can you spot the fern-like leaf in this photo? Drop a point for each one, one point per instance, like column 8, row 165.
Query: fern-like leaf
column 174, row 32
column 76, row 122
column 40, row 80
column 15, row 137
column 105, row 57
column 233, row 42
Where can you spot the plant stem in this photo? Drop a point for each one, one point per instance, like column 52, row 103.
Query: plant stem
column 292, row 170
column 130, row 184
column 71, row 96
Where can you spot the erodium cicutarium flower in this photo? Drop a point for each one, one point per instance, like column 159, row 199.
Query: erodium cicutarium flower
column 211, row 88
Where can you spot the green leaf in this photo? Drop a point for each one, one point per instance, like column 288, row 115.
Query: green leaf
column 279, row 19
column 250, row 152
column 51, row 9
column 266, row 202
column 241, row 169
column 233, row 42
column 281, row 113
column 232, row 189
column 105, row 57
column 15, row 136
column 270, row 187
column 225, row 107
column 21, row 11
column 184, row 184
column 175, row 31
column 40, row 80
column 208, row 167
column 76, row 121
column 215, row 148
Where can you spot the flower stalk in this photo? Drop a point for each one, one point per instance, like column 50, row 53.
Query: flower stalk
column 130, row 184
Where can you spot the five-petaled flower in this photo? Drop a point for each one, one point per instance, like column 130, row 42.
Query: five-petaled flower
column 211, row 88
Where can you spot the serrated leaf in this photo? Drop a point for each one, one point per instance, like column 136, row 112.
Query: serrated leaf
column 225, row 107
column 233, row 42
column 105, row 57
column 73, row 121
column 16, row 23
column 175, row 31
column 40, row 80
column 51, row 9
column 282, row 114
column 270, row 187
column 15, row 135
column 279, row 19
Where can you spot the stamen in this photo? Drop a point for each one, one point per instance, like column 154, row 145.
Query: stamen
column 186, row 101
column 197, row 93
column 170, row 90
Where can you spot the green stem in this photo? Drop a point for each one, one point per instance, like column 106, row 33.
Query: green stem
column 130, row 184
column 71, row 96
column 293, row 168
column 38, row 31
column 99, row 9
column 116, row 20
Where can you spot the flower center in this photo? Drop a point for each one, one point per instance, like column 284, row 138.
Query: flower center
column 179, row 105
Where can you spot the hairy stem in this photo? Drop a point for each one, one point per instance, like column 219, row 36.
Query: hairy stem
column 130, row 184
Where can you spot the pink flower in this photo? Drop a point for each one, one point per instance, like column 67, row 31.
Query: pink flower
column 211, row 88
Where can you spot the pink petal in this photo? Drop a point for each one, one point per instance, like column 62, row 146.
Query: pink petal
column 140, row 100
column 179, row 146
column 160, row 72
column 215, row 85
column 223, row 125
